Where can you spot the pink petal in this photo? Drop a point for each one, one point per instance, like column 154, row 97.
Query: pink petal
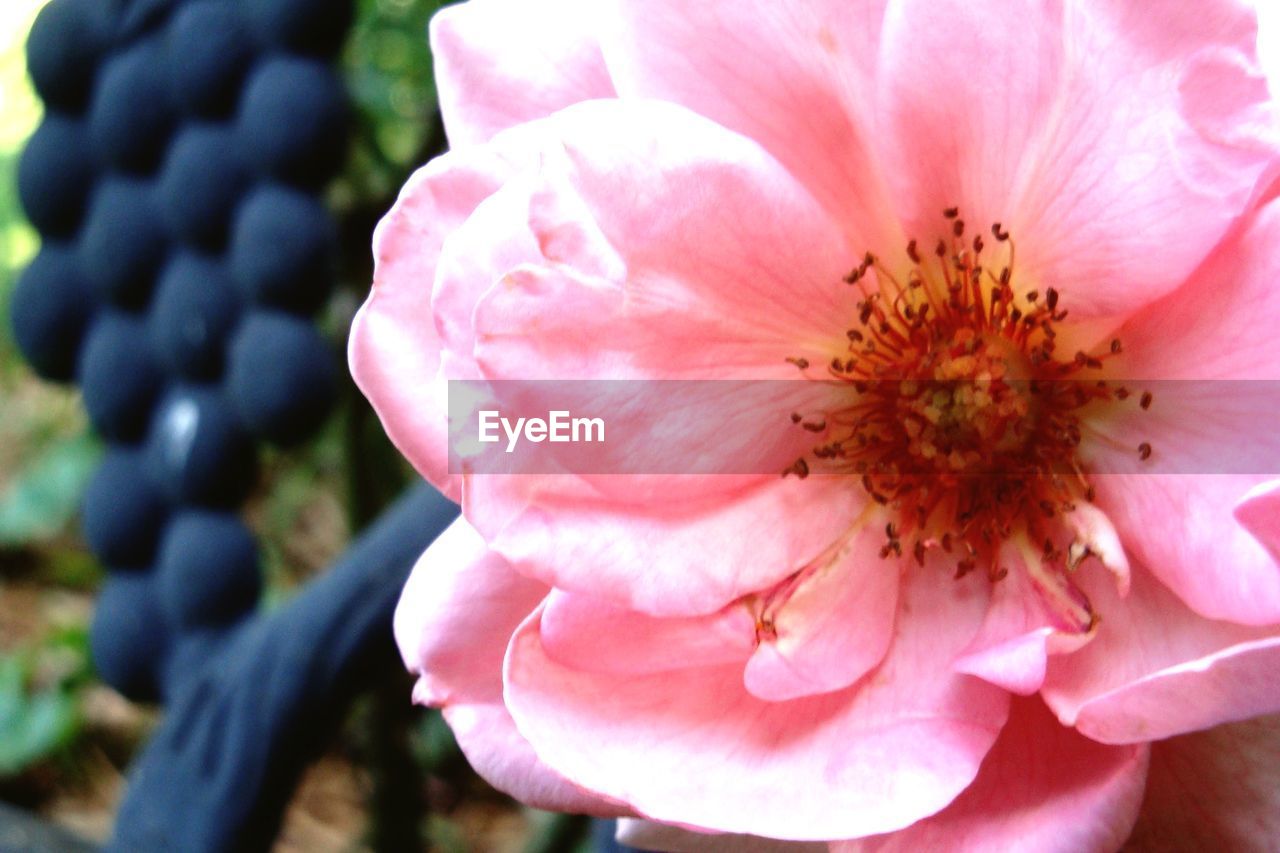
column 834, row 627
column 491, row 242
column 452, row 625
column 1182, row 527
column 1212, row 431
column 456, row 616
column 694, row 747
column 591, row 635
column 1043, row 787
column 1269, row 45
column 499, row 63
column 809, row 104
column 495, row 750
column 1259, row 513
column 672, row 556
column 1117, row 143
column 1023, row 626
column 721, row 267
column 665, row 436
column 1213, row 790
column 1213, row 327
column 395, row 348
column 1156, row 669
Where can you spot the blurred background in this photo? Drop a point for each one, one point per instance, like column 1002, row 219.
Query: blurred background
column 392, row 779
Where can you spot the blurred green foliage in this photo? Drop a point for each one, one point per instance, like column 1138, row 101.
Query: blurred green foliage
column 45, row 494
column 387, row 66
column 39, row 708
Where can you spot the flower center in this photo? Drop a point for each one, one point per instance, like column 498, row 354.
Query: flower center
column 956, row 411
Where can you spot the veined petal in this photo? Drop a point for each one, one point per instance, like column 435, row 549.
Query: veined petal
column 1033, row 614
column 1211, row 429
column 809, row 103
column 1117, row 143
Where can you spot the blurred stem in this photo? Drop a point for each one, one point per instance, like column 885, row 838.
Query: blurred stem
column 560, row 833
column 398, row 803
column 375, row 476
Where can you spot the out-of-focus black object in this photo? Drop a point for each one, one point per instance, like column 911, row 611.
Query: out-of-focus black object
column 246, row 707
column 175, row 181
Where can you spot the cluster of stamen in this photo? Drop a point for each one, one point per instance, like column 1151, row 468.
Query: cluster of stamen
column 964, row 418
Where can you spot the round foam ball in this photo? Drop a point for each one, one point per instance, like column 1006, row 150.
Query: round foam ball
column 123, row 513
column 55, row 175
column 209, row 51
column 131, row 116
column 118, row 377
column 124, row 241
column 292, row 120
column 128, row 637
column 65, row 45
column 197, row 452
column 194, row 310
column 306, row 26
column 202, row 179
column 281, row 377
column 282, row 249
column 50, row 309
column 207, row 573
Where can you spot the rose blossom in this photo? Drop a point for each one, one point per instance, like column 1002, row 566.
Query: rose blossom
column 937, row 190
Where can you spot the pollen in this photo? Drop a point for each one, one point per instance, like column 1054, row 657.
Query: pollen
column 959, row 414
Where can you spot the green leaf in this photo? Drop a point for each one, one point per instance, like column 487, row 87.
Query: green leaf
column 33, row 726
column 45, row 495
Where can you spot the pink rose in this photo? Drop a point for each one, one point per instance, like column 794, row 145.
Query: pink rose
column 941, row 659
